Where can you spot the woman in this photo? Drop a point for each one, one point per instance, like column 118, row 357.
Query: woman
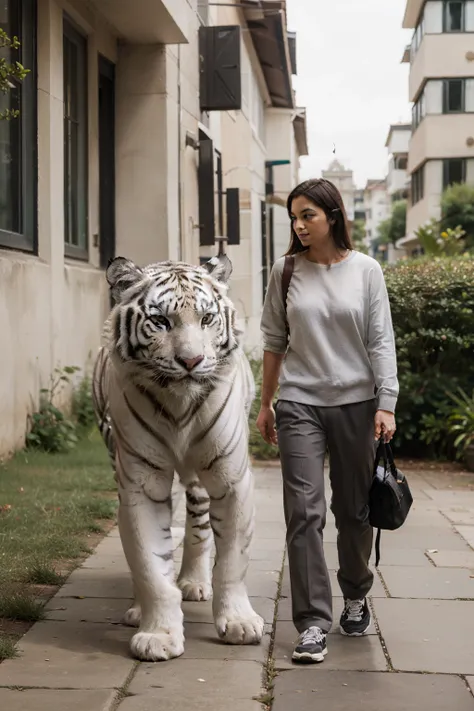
column 338, row 391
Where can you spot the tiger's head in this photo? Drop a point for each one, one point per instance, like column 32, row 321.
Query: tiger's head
column 172, row 322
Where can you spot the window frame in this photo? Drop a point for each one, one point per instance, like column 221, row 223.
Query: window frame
column 446, row 162
column 74, row 35
column 26, row 239
column 446, row 87
column 418, row 185
column 446, row 4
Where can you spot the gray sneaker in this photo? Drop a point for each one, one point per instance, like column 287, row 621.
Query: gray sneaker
column 311, row 647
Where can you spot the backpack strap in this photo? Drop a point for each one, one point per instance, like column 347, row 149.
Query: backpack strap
column 286, row 277
column 377, row 548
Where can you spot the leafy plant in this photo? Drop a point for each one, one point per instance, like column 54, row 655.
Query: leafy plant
column 50, row 430
column 461, row 421
column 432, row 302
column 457, row 208
column 9, row 71
column 436, row 242
column 258, row 447
column 82, row 405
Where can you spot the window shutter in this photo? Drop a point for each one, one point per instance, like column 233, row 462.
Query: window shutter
column 220, row 68
column 233, row 216
column 207, row 231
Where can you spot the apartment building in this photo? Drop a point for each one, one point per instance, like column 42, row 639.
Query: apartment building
column 441, row 87
column 397, row 145
column 142, row 133
column 377, row 205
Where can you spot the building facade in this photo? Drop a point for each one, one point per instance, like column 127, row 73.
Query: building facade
column 377, row 205
column 125, row 145
column 397, row 145
column 441, row 87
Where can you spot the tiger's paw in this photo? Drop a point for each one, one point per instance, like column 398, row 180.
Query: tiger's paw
column 240, row 630
column 194, row 591
column 157, row 646
column 132, row 617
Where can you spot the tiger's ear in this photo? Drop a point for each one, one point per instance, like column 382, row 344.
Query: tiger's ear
column 219, row 268
column 121, row 274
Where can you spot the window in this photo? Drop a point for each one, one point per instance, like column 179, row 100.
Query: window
column 417, row 185
column 75, row 143
column 418, row 111
column 453, row 96
column 454, row 171
column 18, row 173
column 453, row 16
column 400, row 163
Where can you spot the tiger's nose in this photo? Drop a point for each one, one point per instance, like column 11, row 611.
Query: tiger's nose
column 190, row 363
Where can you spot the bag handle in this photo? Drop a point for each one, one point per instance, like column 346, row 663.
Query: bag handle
column 384, row 451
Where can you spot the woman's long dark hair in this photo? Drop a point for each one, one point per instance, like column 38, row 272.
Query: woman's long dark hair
column 327, row 197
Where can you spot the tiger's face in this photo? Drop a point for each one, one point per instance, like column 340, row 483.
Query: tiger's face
column 172, row 321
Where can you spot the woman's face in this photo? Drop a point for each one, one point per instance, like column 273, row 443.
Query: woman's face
column 309, row 222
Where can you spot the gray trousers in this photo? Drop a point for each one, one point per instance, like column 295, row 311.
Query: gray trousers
column 305, row 433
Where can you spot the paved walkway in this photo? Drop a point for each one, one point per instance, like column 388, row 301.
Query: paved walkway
column 420, row 654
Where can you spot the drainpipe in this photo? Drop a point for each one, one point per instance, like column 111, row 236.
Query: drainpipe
column 180, row 190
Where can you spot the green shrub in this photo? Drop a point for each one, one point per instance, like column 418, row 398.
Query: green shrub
column 82, row 406
column 259, row 449
column 432, row 304
column 50, row 430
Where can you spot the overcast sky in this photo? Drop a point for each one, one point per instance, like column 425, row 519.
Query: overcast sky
column 351, row 80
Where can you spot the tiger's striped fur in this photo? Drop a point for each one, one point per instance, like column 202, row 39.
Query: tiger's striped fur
column 172, row 391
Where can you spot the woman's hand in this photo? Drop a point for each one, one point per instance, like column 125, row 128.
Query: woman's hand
column 266, row 425
column 384, row 424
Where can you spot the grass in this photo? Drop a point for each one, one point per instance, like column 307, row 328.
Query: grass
column 51, row 507
column 8, row 648
column 259, row 449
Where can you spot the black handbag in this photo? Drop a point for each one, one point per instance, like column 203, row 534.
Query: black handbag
column 390, row 498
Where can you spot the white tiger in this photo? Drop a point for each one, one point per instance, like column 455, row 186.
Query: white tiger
column 172, row 392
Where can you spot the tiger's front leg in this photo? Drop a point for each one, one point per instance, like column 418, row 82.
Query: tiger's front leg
column 145, row 530
column 232, row 520
column 194, row 578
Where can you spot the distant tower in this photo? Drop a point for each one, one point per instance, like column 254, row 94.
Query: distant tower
column 344, row 181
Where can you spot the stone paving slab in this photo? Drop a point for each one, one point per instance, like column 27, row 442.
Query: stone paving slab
column 71, row 655
column 352, row 691
column 411, row 537
column 434, row 636
column 87, row 609
column 91, row 582
column 460, row 516
column 467, row 532
column 428, row 583
column 162, row 686
column 453, row 559
column 56, row 700
column 470, row 682
column 345, row 653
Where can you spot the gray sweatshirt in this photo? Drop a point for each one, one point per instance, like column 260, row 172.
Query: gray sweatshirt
column 341, row 343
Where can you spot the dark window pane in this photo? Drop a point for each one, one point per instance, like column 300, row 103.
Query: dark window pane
column 454, row 95
column 75, row 142
column 454, row 171
column 454, row 16
column 18, row 174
